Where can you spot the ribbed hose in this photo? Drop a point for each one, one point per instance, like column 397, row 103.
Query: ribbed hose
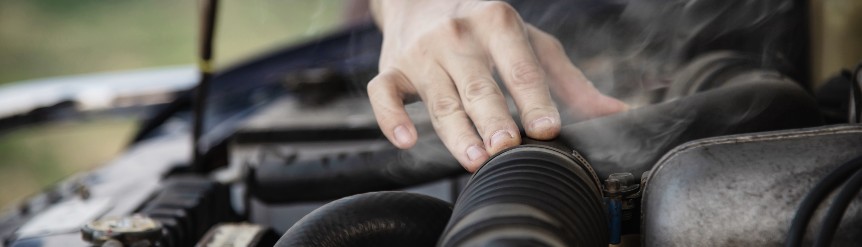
column 372, row 219
column 530, row 195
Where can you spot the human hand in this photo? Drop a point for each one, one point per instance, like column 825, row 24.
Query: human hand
column 445, row 52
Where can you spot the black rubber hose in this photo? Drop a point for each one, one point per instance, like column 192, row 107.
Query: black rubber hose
column 372, row 219
column 339, row 175
column 530, row 195
column 814, row 197
column 633, row 141
column 839, row 205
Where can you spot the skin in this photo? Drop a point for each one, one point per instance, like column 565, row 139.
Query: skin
column 445, row 53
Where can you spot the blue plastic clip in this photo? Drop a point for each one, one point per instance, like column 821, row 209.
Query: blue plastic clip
column 615, row 212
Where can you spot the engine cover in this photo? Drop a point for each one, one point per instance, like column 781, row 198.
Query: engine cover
column 744, row 190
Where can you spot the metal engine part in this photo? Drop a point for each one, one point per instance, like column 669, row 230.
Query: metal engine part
column 744, row 190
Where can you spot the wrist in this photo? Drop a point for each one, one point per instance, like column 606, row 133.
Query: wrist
column 388, row 14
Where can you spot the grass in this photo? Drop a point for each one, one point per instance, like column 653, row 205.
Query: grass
column 42, row 38
column 37, row 156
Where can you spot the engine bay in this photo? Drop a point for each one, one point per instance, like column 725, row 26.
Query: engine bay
column 722, row 149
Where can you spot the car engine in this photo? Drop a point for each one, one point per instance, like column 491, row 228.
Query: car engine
column 725, row 145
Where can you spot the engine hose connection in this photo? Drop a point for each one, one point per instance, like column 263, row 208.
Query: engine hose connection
column 530, row 195
column 372, row 219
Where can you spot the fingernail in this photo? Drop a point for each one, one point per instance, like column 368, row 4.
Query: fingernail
column 474, row 152
column 542, row 124
column 402, row 135
column 499, row 137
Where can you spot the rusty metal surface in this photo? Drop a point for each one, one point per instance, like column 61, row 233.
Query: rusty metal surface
column 744, row 190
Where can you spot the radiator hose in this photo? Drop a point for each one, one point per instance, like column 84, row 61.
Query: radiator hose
column 372, row 219
column 530, row 195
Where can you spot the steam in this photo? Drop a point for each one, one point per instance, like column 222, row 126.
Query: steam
column 634, row 50
column 631, row 48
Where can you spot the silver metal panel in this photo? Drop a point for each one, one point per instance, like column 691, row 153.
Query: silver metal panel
column 744, row 190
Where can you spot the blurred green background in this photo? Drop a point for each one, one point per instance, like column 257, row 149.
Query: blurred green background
column 45, row 38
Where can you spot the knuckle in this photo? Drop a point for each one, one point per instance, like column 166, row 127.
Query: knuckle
column 451, row 28
column 527, row 74
column 498, row 10
column 377, row 88
column 500, row 14
column 479, row 88
column 442, row 107
column 375, row 84
column 446, row 32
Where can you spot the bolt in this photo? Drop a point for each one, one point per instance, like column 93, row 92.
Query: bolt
column 612, row 185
